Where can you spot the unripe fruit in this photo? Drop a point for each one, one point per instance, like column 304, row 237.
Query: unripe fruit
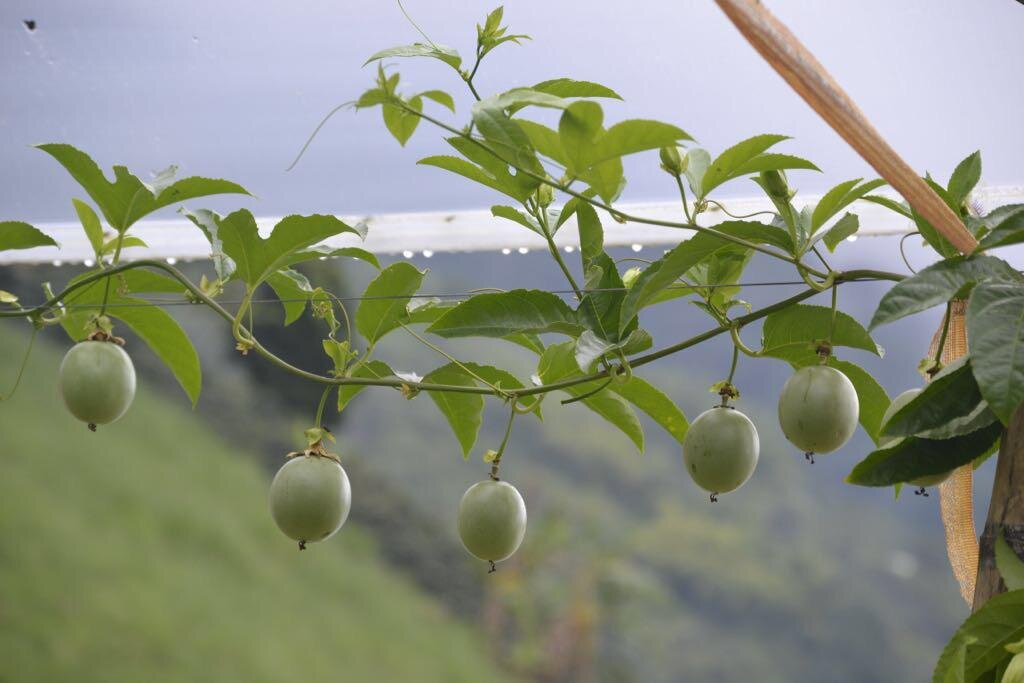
column 818, row 409
column 889, row 441
column 96, row 381
column 310, row 498
column 492, row 520
column 720, row 449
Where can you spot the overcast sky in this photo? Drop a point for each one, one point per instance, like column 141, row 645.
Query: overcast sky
column 232, row 88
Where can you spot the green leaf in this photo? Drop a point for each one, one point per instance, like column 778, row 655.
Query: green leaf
column 599, row 309
column 128, row 199
column 468, row 170
column 655, row 403
column 632, row 136
column 930, row 234
column 166, row 338
column 567, row 87
column 127, row 242
column 1010, row 566
column 439, row 96
column 1008, row 231
column 965, row 176
column 18, row 235
column 517, row 98
column 371, row 369
column 665, row 271
column 256, row 258
column 758, row 233
column 206, row 221
column 464, row 412
column 953, row 393
column 90, row 224
column 293, row 289
column 590, row 346
column 985, row 635
column 937, row 284
column 995, row 326
column 544, row 140
column 557, row 363
column 507, row 139
column 839, row 197
column 504, row 313
column 953, row 671
column 446, row 54
column 516, row 216
column 747, row 157
column 891, row 204
column 383, row 307
column 697, row 163
column 843, row 228
column 578, row 131
column 400, row 122
column 322, row 251
column 791, row 332
column 913, row 457
column 591, row 233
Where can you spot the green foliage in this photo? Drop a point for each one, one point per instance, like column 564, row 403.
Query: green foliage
column 980, row 643
column 500, row 314
column 749, row 157
column 18, row 235
column 442, row 52
column 914, row 457
column 464, row 412
column 385, row 299
column 950, row 405
column 793, row 331
column 128, row 199
column 939, row 283
column 1006, row 231
column 995, row 325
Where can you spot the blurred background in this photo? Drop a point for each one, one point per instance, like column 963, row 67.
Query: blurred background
column 146, row 552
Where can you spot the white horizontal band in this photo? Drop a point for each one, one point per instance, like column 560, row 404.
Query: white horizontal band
column 463, row 231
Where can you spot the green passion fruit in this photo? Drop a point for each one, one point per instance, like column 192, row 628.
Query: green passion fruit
column 310, row 498
column 720, row 450
column 818, row 409
column 492, row 520
column 97, row 382
column 888, row 441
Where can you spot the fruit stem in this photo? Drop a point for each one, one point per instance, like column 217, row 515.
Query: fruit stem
column 496, row 463
column 320, row 408
column 832, row 324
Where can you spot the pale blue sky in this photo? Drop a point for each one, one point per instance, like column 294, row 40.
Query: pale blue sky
column 232, row 88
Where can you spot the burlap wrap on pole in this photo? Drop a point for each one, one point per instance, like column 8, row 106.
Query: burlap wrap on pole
column 956, row 494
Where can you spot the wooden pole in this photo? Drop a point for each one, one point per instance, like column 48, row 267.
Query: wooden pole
column 781, row 49
column 812, row 82
column 1005, row 511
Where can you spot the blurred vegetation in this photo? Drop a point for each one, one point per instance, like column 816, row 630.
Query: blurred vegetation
column 145, row 552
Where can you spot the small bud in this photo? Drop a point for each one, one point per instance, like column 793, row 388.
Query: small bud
column 630, row 276
column 671, row 161
column 545, row 195
column 490, row 455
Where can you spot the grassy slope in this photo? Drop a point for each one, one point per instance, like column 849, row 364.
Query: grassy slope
column 145, row 553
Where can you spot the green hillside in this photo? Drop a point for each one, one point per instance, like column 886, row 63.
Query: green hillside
column 144, row 552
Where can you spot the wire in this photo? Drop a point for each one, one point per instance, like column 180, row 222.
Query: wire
column 151, row 303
